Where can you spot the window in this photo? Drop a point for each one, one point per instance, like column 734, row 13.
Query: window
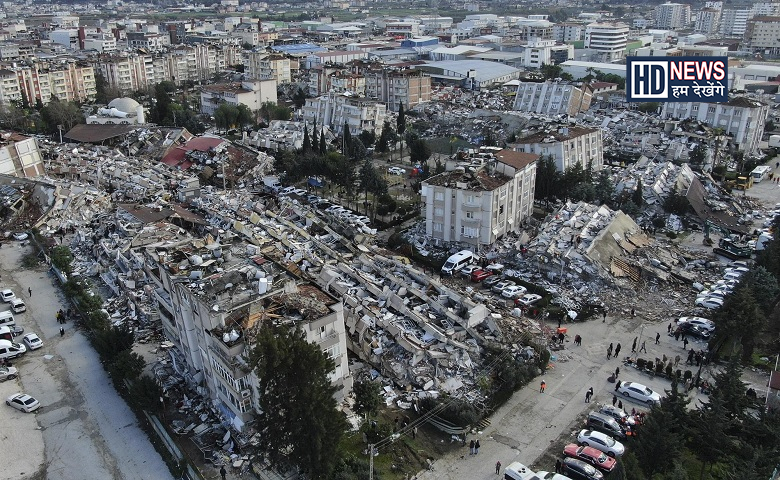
column 438, row 211
column 438, row 227
column 711, row 110
column 500, row 209
column 469, row 214
column 439, row 196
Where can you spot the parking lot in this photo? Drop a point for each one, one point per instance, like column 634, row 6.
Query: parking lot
column 83, row 428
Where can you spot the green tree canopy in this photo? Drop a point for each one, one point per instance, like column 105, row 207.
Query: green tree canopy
column 299, row 421
column 367, row 397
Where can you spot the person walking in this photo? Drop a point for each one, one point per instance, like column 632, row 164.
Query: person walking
column 689, row 361
column 685, row 343
column 29, row 291
column 476, row 448
column 617, row 350
column 588, row 395
column 604, row 313
column 414, row 433
column 62, row 331
column 643, row 348
column 609, row 351
column 542, row 386
column 498, row 467
column 222, row 472
column 471, row 447
column 657, row 338
column 676, row 360
column 614, row 400
column 633, row 345
column 669, row 328
column 558, row 466
column 617, row 372
column 633, row 313
column 620, row 404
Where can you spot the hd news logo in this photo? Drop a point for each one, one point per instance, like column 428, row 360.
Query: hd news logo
column 677, row 79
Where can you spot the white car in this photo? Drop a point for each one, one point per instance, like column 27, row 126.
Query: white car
column 601, row 441
column 709, row 302
column 698, row 321
column 32, row 341
column 17, row 305
column 725, row 284
column 742, row 270
column 8, row 373
column 23, row 402
column 528, row 299
column 639, row 392
column 286, row 190
column 712, row 293
column 20, row 236
column 502, row 285
column 732, row 276
column 8, row 295
column 468, row 270
column 396, row 171
column 513, row 291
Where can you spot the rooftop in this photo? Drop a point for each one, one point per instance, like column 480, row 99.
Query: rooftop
column 516, row 160
column 558, row 135
column 477, row 181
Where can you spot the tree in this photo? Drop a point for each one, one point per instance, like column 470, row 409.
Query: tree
column 547, row 178
column 323, row 143
column 243, row 115
column 299, row 98
column 101, row 88
column 419, row 151
column 161, row 113
column 551, row 71
column 367, row 397
column 740, row 319
column 605, row 189
column 126, row 365
column 62, row 258
column 763, row 286
column 648, row 107
column 315, row 138
column 306, row 140
column 637, row 197
column 368, row 137
column 346, row 139
column 299, row 421
column 383, row 143
column 400, row 126
column 112, row 341
column 271, row 111
column 57, row 113
column 698, row 155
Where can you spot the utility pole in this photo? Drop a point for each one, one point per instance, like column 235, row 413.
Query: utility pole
column 370, row 461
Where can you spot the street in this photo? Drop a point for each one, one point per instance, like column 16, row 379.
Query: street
column 83, row 429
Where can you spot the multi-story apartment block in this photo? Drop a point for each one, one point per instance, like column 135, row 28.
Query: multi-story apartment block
column 568, row 32
column 539, row 52
column 567, row 145
column 432, row 25
column 733, row 22
column 348, row 83
column 671, row 16
column 252, row 93
column 551, row 98
column 10, row 91
column 319, row 78
column 266, row 66
column 334, row 111
column 406, row 28
column 20, row 157
column 147, row 41
column 528, row 30
column 708, row 21
column 323, row 58
column 607, row 40
column 101, row 42
column 479, row 207
column 394, row 87
column 763, row 35
column 212, row 307
column 68, row 82
column 741, row 118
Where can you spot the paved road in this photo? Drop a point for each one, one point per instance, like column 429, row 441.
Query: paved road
column 84, row 429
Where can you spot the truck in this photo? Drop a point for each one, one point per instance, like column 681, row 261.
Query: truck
column 760, row 173
column 271, row 183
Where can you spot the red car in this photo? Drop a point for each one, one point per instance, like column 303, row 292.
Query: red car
column 479, row 275
column 597, row 458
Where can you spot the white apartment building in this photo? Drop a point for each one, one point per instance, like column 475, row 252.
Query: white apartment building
column 334, row 111
column 435, row 24
column 763, row 35
column 607, row 40
column 567, row 145
column 101, row 42
column 67, row 82
column 551, row 98
column 10, row 91
column 252, row 93
column 568, row 32
column 266, row 66
column 672, row 16
column 480, row 207
column 733, row 22
column 741, row 118
column 211, row 321
column 68, row 38
column 323, row 58
column 708, row 21
column 394, row 87
column 539, row 52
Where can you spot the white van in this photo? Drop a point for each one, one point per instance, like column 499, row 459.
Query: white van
column 7, row 318
column 18, row 306
column 458, row 261
column 9, row 349
column 518, row 471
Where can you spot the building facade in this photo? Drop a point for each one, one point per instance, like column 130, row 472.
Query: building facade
column 607, row 40
column 551, row 98
column 708, row 21
column 334, row 111
column 567, row 145
column 741, row 118
column 477, row 208
column 763, row 35
column 733, row 22
column 252, row 93
column 394, row 87
column 672, row 16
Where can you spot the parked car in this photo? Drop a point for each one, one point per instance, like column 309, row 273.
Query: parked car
column 639, row 392
column 593, row 456
column 513, row 291
column 480, row 275
column 491, row 282
column 23, row 402
column 709, row 302
column 732, row 276
column 18, row 306
column 725, row 284
column 32, row 341
column 695, row 331
column 577, row 469
column 698, row 321
column 8, row 373
column 20, row 236
column 7, row 295
column 607, row 424
column 468, row 270
column 528, row 299
column 736, row 269
column 500, row 286
column 600, row 441
column 618, row 414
